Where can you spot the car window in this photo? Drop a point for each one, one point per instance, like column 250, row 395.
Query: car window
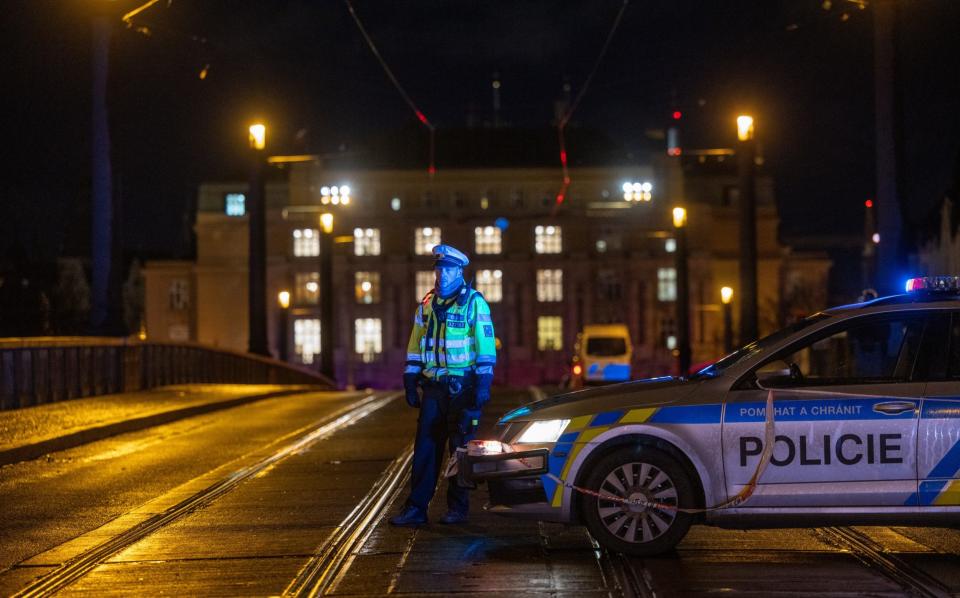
column 953, row 359
column 715, row 369
column 606, row 346
column 861, row 352
column 933, row 355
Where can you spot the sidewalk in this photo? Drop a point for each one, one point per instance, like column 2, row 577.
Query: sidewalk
column 35, row 431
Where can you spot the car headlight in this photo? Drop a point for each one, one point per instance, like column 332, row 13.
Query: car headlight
column 544, row 431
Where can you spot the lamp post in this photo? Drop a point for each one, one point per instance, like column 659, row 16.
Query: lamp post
column 683, row 291
column 283, row 299
column 746, row 152
column 257, row 253
column 326, row 295
column 102, row 233
column 726, row 298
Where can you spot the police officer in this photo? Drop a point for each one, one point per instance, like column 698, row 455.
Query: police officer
column 450, row 358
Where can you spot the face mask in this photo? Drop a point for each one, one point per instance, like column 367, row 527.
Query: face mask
column 447, row 279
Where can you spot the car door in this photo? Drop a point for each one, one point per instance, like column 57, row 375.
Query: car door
column 938, row 458
column 845, row 420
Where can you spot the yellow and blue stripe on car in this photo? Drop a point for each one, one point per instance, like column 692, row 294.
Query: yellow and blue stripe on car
column 582, row 430
column 941, row 486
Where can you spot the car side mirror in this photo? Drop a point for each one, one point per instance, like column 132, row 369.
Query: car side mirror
column 775, row 373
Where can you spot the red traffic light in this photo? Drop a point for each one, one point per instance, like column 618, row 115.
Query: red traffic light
column 868, row 203
column 677, row 114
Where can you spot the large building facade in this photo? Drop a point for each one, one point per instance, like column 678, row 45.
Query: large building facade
column 606, row 254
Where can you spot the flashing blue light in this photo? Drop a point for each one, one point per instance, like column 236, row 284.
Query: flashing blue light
column 501, row 223
column 938, row 284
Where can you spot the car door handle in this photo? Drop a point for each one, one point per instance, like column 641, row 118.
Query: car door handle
column 895, row 407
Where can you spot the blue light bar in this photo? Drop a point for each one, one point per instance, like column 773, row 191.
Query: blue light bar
column 934, row 284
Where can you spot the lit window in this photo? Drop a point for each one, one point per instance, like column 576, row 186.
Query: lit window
column 368, row 342
column 490, row 284
column 488, row 239
column 367, row 287
column 547, row 239
column 306, row 242
column 550, row 285
column 307, row 289
column 667, row 284
column 549, row 333
column 425, row 237
column 425, row 282
column 179, row 294
column 306, row 339
column 366, row 241
column 395, row 204
column 235, row 204
column 670, row 245
column 668, row 333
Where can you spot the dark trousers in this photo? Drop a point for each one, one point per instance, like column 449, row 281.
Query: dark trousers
column 440, row 415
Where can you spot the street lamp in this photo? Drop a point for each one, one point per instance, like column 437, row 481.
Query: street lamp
column 326, row 295
column 726, row 298
column 746, row 151
column 744, row 127
column 683, row 291
column 283, row 300
column 258, row 136
column 257, row 258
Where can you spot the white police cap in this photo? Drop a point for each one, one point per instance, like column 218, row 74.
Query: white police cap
column 445, row 255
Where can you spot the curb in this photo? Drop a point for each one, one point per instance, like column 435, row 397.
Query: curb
column 35, row 450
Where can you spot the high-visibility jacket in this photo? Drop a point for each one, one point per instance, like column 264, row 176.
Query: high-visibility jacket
column 452, row 336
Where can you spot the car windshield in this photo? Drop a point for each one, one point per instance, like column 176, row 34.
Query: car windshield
column 606, row 346
column 718, row 367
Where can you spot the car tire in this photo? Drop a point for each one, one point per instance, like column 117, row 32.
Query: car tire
column 635, row 472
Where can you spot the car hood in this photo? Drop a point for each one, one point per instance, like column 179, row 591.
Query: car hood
column 650, row 392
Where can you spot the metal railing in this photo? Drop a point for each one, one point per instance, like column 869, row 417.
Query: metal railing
column 39, row 370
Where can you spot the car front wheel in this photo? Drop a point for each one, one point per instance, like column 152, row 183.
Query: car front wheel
column 639, row 473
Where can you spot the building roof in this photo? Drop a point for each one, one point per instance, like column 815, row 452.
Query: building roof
column 506, row 147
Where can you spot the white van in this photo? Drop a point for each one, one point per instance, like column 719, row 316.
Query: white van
column 602, row 355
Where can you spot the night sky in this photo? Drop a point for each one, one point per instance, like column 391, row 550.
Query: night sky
column 803, row 71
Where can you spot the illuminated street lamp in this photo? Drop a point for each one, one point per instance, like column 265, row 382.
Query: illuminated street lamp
column 283, row 300
column 726, row 298
column 326, row 295
column 744, row 127
column 746, row 152
column 258, row 136
column 683, row 291
column 257, row 258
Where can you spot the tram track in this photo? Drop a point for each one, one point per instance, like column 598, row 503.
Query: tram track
column 875, row 556
column 321, row 574
column 86, row 561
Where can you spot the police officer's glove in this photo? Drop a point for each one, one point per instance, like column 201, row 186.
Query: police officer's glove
column 410, row 383
column 482, row 397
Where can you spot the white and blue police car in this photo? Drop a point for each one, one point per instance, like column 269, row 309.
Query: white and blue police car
column 865, row 430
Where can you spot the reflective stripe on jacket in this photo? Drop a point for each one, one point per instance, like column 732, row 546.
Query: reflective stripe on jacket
column 452, row 336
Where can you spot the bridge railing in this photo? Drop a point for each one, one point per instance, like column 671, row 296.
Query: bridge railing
column 41, row 370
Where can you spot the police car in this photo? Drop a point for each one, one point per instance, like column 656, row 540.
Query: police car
column 865, row 429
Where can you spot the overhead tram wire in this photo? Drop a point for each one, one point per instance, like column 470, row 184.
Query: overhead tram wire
column 562, row 123
column 432, row 169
